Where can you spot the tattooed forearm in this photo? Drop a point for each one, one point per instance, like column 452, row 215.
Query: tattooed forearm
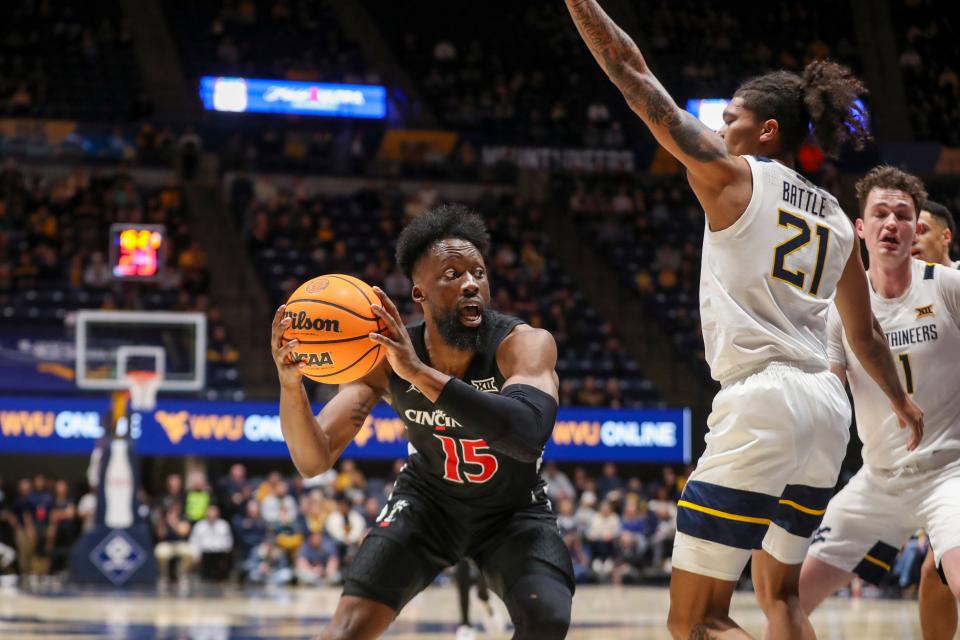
column 624, row 64
column 359, row 413
column 591, row 23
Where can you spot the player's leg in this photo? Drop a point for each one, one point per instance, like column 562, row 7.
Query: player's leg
column 862, row 529
column 729, row 501
column 463, row 590
column 820, row 413
column 358, row 619
column 700, row 607
column 526, row 563
column 938, row 606
column 941, row 508
column 396, row 561
column 950, row 565
column 819, row 580
column 777, row 586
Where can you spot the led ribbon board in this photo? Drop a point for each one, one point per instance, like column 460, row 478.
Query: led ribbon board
column 255, row 95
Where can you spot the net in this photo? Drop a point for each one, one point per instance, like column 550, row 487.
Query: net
column 143, row 387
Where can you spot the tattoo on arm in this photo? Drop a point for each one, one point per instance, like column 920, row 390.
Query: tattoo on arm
column 623, row 62
column 359, row 413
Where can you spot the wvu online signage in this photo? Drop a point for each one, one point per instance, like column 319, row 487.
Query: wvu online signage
column 247, row 95
column 252, row 429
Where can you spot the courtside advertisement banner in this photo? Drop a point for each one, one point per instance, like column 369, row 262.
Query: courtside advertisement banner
column 252, row 429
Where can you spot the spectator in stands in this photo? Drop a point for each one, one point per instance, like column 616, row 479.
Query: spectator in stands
column 198, row 498
column 610, row 485
column 346, row 528
column 268, row 565
column 62, row 528
column 173, row 492
column 173, row 533
column 317, row 561
column 212, row 543
column 233, row 491
column 628, row 558
column 666, row 511
column 278, row 496
column 559, row 486
column 572, row 533
column 287, row 531
column 249, row 529
column 602, row 533
column 589, row 394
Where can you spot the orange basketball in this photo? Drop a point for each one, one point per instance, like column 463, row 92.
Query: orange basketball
column 332, row 319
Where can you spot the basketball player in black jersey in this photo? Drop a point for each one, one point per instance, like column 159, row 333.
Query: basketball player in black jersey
column 477, row 392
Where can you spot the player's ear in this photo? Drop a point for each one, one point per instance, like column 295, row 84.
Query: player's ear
column 948, row 236
column 769, row 130
column 858, row 225
column 417, row 293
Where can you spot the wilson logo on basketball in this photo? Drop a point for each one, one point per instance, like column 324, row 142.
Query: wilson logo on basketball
column 313, row 359
column 302, row 322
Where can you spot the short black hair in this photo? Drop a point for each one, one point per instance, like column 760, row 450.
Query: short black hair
column 439, row 223
column 942, row 214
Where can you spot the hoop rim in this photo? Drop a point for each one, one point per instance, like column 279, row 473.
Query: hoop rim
column 143, row 385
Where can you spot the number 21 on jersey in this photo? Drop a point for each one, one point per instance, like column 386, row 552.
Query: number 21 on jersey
column 473, row 455
column 798, row 277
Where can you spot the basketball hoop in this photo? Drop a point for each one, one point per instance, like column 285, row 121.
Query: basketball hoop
column 143, row 387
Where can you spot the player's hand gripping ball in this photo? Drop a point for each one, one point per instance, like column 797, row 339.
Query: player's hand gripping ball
column 330, row 320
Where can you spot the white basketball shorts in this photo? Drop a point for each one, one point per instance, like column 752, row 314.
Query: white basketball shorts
column 873, row 515
column 774, row 447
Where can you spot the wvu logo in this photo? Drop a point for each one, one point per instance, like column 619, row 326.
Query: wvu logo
column 923, row 312
column 313, row 359
column 487, row 384
column 174, row 424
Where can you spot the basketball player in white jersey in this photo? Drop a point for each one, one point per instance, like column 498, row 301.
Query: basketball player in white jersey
column 776, row 252
column 938, row 607
column 935, row 235
column 896, row 492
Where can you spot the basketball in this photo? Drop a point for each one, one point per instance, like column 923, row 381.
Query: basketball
column 331, row 318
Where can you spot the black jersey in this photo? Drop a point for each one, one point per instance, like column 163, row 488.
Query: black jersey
column 446, row 458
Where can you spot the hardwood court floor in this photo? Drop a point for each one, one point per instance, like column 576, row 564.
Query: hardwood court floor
column 606, row 613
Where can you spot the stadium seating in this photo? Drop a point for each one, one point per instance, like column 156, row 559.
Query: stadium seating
column 61, row 59
column 52, row 262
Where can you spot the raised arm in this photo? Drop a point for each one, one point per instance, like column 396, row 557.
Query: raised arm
column 316, row 442
column 867, row 340
column 712, row 170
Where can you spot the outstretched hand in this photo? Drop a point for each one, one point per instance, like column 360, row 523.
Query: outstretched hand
column 401, row 355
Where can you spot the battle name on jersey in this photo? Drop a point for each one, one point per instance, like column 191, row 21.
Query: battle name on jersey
column 913, row 335
column 803, row 198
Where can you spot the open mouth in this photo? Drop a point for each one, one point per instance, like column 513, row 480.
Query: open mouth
column 471, row 314
column 889, row 241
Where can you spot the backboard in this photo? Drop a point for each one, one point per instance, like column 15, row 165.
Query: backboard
column 110, row 344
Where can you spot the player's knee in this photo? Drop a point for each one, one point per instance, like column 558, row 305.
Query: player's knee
column 540, row 608
column 342, row 628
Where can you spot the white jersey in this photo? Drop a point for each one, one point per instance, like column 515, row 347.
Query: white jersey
column 923, row 330
column 955, row 264
column 766, row 281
